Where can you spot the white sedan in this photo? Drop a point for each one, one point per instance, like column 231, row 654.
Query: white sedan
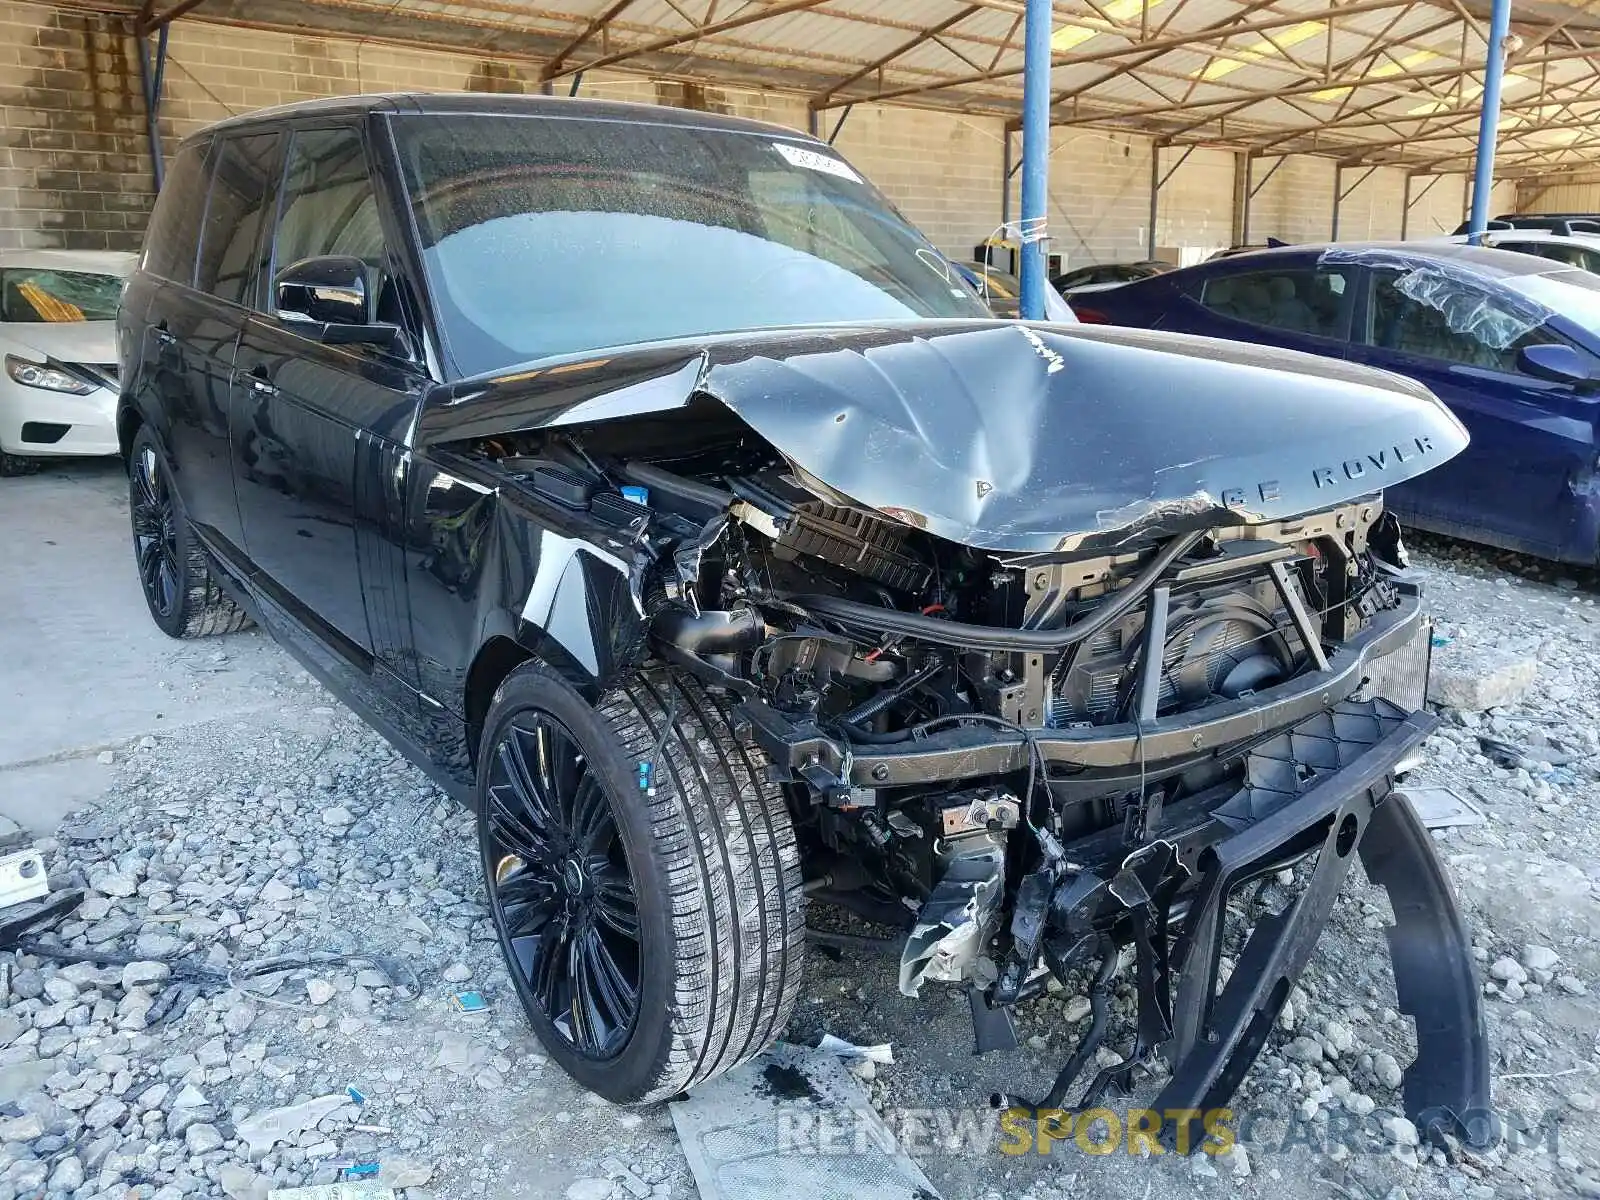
column 58, row 392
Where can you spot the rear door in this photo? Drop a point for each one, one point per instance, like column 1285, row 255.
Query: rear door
column 1296, row 303
column 194, row 325
column 1531, row 439
column 317, row 432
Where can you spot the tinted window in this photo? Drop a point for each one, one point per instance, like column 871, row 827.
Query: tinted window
column 29, row 295
column 1310, row 300
column 174, row 229
column 328, row 203
column 1575, row 256
column 241, row 187
column 544, row 236
column 1448, row 320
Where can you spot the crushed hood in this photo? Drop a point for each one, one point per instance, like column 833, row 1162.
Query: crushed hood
column 1014, row 437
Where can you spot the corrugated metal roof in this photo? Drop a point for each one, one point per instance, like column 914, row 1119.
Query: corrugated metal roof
column 1368, row 81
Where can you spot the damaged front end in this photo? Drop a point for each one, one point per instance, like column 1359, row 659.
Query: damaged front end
column 1051, row 664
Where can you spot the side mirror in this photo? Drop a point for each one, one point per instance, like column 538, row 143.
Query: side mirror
column 332, row 289
column 1556, row 363
column 332, row 296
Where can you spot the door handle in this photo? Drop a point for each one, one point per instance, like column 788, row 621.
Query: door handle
column 260, row 383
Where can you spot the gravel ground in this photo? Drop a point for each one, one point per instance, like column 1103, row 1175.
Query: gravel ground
column 296, row 831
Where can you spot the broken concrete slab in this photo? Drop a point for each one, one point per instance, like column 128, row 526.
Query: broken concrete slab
column 1475, row 677
column 793, row 1122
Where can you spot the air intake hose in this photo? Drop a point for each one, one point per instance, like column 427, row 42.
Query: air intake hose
column 710, row 632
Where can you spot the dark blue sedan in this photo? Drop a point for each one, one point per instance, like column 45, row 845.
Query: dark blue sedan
column 1509, row 341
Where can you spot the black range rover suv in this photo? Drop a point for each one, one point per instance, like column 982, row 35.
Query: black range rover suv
column 648, row 480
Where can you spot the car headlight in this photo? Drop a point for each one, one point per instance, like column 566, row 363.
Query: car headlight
column 51, row 379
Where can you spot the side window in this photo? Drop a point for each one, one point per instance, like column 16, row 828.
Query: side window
column 174, row 229
column 1449, row 321
column 328, row 202
column 1310, row 300
column 242, row 184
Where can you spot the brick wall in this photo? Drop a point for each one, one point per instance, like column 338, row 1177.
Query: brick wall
column 74, row 158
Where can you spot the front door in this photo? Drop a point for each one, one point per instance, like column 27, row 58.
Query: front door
column 315, row 470
column 1531, row 439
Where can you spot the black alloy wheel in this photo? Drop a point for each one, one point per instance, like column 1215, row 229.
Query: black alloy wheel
column 560, row 887
column 174, row 573
column 155, row 534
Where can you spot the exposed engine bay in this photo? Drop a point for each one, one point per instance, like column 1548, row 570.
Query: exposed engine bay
column 1027, row 760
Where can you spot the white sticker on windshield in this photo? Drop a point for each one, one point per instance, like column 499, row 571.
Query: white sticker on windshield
column 812, row 161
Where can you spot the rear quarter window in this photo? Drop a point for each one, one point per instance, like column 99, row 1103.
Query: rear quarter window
column 173, row 234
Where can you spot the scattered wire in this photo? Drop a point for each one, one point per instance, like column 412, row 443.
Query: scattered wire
column 401, row 974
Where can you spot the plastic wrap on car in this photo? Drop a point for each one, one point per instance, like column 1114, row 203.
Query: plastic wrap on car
column 1456, row 294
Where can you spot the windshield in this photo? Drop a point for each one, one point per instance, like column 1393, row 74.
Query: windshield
column 548, row 235
column 33, row 295
column 1575, row 295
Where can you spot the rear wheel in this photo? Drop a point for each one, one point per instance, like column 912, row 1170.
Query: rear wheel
column 183, row 597
column 655, row 941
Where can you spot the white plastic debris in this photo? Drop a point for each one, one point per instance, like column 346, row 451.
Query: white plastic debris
column 263, row 1130
column 22, row 877
column 1441, row 807
column 882, row 1055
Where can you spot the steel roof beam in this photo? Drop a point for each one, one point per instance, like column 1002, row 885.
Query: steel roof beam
column 699, row 33
column 589, row 30
column 1452, row 71
column 1134, row 47
column 821, row 98
column 148, row 20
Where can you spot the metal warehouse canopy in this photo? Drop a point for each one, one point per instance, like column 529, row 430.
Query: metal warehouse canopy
column 1370, row 82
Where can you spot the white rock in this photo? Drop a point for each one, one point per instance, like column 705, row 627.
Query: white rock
column 190, row 1097
column 1473, row 677
column 1339, row 1034
column 105, row 1113
column 240, row 1183
column 319, row 991
column 1387, row 1070
column 1360, row 1104
column 1304, row 1049
column 118, row 884
column 202, row 1139
column 404, row 1172
column 68, row 1175
column 22, row 1129
column 1077, row 1008
column 1508, row 970
column 338, row 817
column 1400, row 1131
column 144, row 974
column 457, row 973
column 239, row 1017
column 1539, row 958
column 276, row 890
column 1572, row 985
column 1237, row 1160
column 590, row 1189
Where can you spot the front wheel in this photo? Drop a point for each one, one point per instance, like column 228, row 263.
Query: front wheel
column 655, row 941
column 12, row 465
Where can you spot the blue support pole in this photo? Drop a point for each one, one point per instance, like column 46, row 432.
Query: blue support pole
column 1035, row 155
column 1489, row 119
